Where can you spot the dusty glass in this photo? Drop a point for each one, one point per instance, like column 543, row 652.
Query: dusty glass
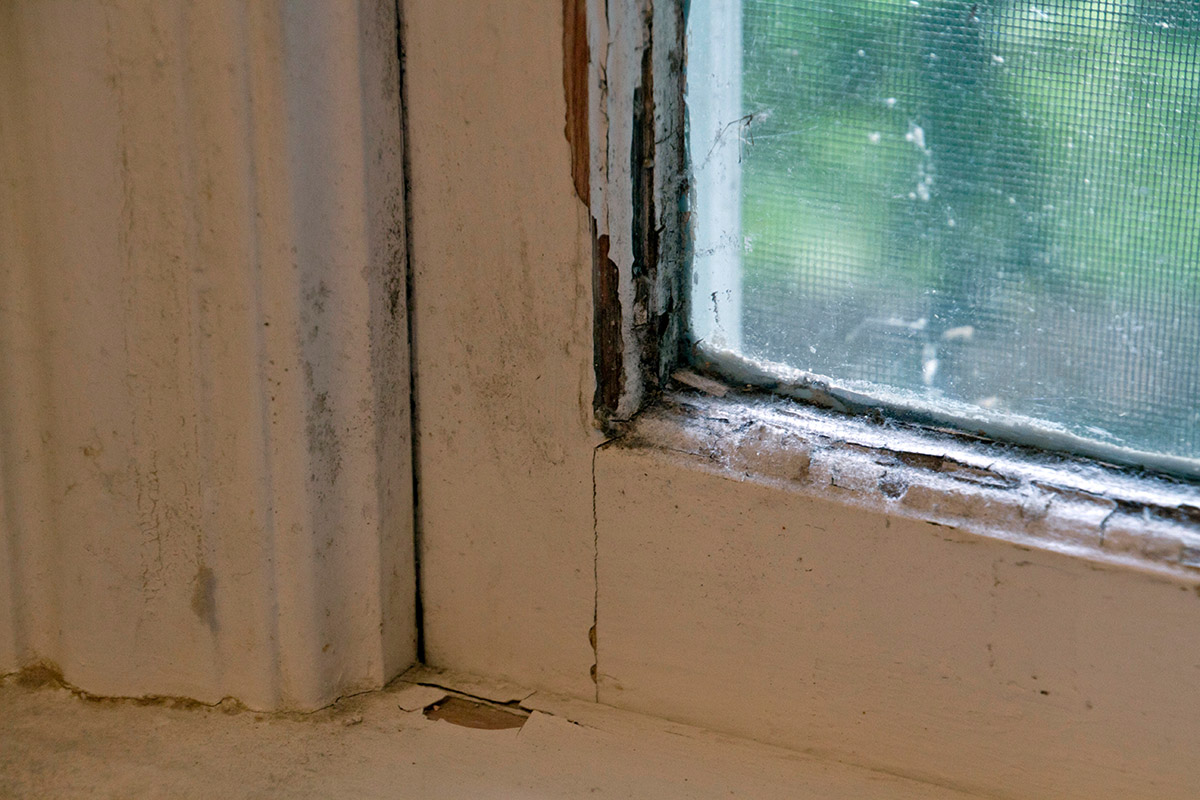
column 989, row 208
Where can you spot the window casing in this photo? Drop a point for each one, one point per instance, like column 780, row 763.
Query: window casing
column 732, row 569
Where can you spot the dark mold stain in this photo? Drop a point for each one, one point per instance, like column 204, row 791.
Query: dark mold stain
column 204, row 597
column 42, row 675
column 609, row 344
column 892, row 487
column 323, row 442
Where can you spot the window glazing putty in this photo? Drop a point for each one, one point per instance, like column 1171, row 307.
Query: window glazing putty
column 990, row 208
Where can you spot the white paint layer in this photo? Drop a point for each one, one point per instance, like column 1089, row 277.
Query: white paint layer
column 785, row 609
column 204, row 439
column 503, row 316
column 617, row 37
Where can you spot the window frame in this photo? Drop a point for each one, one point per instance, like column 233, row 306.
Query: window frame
column 675, row 417
column 631, row 560
column 721, row 358
column 645, row 298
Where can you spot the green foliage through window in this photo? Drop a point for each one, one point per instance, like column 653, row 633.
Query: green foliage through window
column 994, row 203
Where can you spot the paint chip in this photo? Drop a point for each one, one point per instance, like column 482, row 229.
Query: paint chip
column 700, row 383
column 469, row 714
column 415, row 698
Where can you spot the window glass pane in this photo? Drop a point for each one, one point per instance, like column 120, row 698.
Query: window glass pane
column 987, row 206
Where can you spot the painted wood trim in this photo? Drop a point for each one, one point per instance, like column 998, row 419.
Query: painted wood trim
column 204, row 434
column 502, row 315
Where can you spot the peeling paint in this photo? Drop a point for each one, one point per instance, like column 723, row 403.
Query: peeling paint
column 1088, row 510
column 576, row 55
column 607, row 338
column 967, row 419
column 636, row 180
column 471, row 714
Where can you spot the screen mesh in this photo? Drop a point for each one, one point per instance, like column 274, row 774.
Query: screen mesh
column 991, row 203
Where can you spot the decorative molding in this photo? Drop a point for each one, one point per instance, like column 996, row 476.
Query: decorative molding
column 204, row 427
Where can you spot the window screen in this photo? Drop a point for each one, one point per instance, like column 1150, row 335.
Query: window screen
column 987, row 207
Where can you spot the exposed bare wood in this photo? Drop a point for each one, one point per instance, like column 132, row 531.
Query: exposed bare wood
column 575, row 84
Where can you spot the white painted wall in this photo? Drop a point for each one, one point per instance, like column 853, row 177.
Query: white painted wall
column 205, row 486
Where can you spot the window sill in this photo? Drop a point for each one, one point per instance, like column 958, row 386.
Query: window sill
column 980, row 617
column 1023, row 496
